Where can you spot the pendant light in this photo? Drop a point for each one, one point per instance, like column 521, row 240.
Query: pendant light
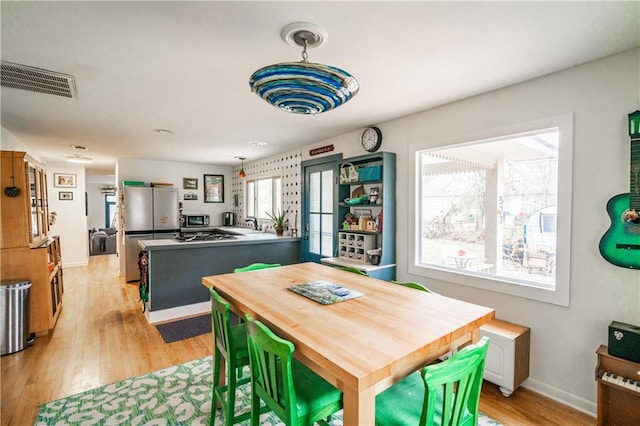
column 303, row 87
column 242, row 174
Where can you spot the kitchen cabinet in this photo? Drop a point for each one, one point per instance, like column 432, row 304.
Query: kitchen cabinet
column 27, row 251
column 375, row 224
column 175, row 269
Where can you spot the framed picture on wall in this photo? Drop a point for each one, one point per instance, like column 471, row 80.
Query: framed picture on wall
column 62, row 180
column 189, row 183
column 214, row 188
column 64, row 195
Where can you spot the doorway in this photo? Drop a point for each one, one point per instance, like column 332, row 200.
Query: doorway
column 319, row 208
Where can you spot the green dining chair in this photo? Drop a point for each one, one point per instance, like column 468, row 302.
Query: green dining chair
column 296, row 394
column 230, row 343
column 352, row 269
column 447, row 393
column 256, row 266
column 416, row 286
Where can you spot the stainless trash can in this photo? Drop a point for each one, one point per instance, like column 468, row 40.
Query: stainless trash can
column 14, row 315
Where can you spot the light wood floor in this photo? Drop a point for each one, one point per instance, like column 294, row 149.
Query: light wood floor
column 102, row 337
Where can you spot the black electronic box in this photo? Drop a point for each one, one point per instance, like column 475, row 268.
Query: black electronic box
column 624, row 341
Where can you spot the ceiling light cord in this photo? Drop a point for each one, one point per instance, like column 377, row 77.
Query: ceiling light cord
column 305, row 55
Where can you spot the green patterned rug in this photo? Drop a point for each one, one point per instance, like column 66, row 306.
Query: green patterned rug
column 178, row 395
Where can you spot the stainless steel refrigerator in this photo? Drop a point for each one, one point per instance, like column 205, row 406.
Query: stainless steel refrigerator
column 150, row 213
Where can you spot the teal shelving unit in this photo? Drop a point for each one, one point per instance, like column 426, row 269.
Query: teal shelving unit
column 377, row 173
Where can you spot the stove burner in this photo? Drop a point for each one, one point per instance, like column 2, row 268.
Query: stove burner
column 185, row 238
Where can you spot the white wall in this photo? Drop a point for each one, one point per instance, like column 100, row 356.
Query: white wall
column 173, row 172
column 96, row 217
column 600, row 94
column 71, row 220
column 9, row 142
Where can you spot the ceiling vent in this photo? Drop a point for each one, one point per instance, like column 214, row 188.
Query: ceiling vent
column 23, row 77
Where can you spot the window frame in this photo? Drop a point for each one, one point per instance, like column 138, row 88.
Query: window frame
column 559, row 295
column 276, row 195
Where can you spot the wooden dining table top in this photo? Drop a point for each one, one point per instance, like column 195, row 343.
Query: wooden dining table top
column 361, row 345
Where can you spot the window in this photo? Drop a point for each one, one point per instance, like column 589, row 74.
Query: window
column 263, row 195
column 110, row 211
column 321, row 187
column 493, row 212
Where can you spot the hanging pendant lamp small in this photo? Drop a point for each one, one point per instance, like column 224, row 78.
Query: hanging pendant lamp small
column 303, row 87
column 242, row 173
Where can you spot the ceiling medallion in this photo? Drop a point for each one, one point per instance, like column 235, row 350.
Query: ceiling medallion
column 304, row 87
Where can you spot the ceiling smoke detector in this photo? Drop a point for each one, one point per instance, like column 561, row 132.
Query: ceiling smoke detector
column 24, row 77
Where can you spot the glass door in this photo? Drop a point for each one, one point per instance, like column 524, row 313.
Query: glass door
column 319, row 218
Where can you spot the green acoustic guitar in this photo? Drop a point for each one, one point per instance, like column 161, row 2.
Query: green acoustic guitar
column 620, row 245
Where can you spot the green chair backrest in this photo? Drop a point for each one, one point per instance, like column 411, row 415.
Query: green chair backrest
column 352, row 269
column 454, row 385
column 416, row 286
column 256, row 266
column 271, row 370
column 220, row 309
column 230, row 343
column 288, row 388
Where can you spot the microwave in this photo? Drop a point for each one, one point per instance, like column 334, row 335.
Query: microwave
column 194, row 220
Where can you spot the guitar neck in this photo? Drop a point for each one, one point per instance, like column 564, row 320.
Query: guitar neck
column 634, row 176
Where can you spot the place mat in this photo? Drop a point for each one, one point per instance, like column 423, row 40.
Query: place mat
column 190, row 327
column 325, row 292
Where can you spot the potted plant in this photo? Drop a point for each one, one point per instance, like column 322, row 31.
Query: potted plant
column 279, row 219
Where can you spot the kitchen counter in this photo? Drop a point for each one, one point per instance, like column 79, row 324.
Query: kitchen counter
column 243, row 236
column 175, row 268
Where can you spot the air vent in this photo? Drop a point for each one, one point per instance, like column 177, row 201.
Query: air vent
column 23, row 77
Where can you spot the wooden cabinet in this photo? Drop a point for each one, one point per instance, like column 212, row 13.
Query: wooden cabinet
column 25, row 217
column 377, row 228
column 618, row 389
column 27, row 250
column 42, row 266
column 15, row 211
column 507, row 363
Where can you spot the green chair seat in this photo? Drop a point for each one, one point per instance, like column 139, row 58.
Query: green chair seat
column 314, row 394
column 447, row 393
column 296, row 394
column 257, row 266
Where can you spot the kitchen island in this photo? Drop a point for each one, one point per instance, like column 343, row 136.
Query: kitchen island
column 175, row 268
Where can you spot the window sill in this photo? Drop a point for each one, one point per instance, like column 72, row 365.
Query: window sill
column 534, row 291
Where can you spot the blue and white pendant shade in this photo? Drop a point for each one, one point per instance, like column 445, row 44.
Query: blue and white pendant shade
column 304, row 87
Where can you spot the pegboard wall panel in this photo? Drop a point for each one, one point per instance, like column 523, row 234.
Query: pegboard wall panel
column 285, row 165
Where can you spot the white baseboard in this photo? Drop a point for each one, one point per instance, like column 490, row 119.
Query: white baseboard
column 74, row 264
column 179, row 312
column 564, row 397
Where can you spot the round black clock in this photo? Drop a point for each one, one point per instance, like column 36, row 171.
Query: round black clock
column 371, row 139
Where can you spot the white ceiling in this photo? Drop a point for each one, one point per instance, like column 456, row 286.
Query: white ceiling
column 185, row 66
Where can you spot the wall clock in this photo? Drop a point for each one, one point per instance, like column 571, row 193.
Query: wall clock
column 371, row 139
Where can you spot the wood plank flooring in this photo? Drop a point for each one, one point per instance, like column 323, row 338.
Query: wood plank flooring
column 102, row 337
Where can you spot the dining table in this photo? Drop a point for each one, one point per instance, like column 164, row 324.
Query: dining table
column 361, row 345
